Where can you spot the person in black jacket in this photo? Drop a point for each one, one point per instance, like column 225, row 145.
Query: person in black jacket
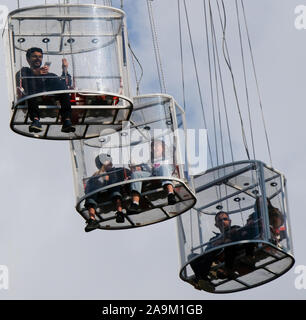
column 36, row 79
column 105, row 176
column 202, row 264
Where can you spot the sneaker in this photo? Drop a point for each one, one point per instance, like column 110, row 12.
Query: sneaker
column 171, row 199
column 67, row 126
column 119, row 217
column 35, row 126
column 91, row 225
column 134, row 208
column 205, row 285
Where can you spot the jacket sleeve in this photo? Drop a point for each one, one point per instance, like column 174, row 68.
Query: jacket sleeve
column 67, row 78
column 21, row 86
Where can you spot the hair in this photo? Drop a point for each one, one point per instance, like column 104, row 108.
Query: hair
column 98, row 162
column 31, row 50
column 153, row 143
column 218, row 214
column 275, row 213
column 162, row 142
column 101, row 159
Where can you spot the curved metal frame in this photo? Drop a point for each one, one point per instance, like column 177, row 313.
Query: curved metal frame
column 67, row 6
column 80, row 210
column 232, row 164
column 238, row 163
column 94, row 6
column 287, row 252
column 84, row 92
column 133, row 125
column 287, row 255
column 72, row 136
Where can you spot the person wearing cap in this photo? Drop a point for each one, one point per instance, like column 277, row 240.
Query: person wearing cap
column 159, row 166
column 106, row 175
column 38, row 79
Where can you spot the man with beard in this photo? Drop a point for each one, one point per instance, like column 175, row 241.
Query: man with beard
column 202, row 264
column 36, row 79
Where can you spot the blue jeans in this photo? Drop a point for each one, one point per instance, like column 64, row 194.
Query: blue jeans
column 94, row 184
column 161, row 171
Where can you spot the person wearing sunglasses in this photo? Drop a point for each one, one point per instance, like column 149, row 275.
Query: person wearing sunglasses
column 201, row 266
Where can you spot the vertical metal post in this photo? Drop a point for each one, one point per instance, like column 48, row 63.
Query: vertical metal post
column 264, row 207
column 181, row 240
column 286, row 211
column 125, row 60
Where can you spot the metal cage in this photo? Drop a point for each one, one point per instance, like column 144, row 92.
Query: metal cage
column 93, row 80
column 238, row 235
column 146, row 157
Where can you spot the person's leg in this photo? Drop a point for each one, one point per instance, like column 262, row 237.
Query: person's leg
column 230, row 254
column 92, row 213
column 136, row 189
column 64, row 99
column 119, row 214
column 118, row 204
column 117, row 200
column 249, row 258
column 135, row 197
column 33, row 112
column 91, row 206
column 33, row 109
column 250, row 249
column 166, row 171
column 137, row 185
column 201, row 267
column 54, row 84
column 66, row 113
column 170, row 193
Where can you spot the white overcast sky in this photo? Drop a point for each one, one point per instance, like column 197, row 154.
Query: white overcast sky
column 42, row 240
